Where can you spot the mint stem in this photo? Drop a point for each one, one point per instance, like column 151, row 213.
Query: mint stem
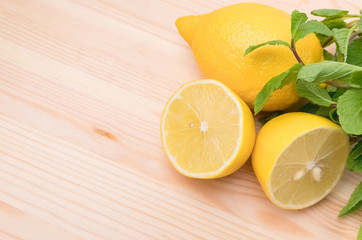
column 328, row 40
column 352, row 24
column 353, row 36
column 354, row 138
column 292, row 47
column 353, row 15
column 337, row 85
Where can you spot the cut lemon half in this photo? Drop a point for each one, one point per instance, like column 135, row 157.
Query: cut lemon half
column 207, row 131
column 299, row 158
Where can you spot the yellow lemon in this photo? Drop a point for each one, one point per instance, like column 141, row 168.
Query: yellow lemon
column 207, row 131
column 298, row 158
column 220, row 38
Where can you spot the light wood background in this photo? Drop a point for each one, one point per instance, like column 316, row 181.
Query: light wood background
column 82, row 87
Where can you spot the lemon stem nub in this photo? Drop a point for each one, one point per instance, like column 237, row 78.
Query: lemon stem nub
column 185, row 26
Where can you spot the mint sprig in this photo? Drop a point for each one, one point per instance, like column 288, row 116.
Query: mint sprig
column 340, row 96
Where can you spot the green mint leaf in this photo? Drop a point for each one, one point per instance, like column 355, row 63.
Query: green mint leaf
column 316, row 110
column 354, row 160
column 336, row 94
column 275, row 83
column 341, row 36
column 328, row 71
column 354, row 53
column 298, row 19
column 329, row 12
column 339, row 57
column 354, row 202
column 311, row 26
column 360, row 21
column 333, row 115
column 309, row 108
column 359, row 236
column 327, row 55
column 349, row 110
column 266, row 119
column 331, row 89
column 356, row 79
column 334, row 22
column 273, row 42
column 314, row 93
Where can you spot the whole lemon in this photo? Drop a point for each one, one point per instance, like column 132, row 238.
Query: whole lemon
column 220, row 38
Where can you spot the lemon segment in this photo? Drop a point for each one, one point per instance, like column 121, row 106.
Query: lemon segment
column 299, row 158
column 207, row 131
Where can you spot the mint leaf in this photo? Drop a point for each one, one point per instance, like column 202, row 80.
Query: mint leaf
column 314, row 93
column 354, row 202
column 360, row 21
column 331, row 89
column 298, row 19
column 356, row 79
column 359, row 236
column 354, row 160
column 354, row 53
column 333, row 22
column 272, row 42
column 266, row 119
column 341, row 36
column 327, row 55
column 336, row 94
column 328, row 12
column 316, row 110
column 333, row 115
column 349, row 110
column 328, row 71
column 311, row 26
column 275, row 83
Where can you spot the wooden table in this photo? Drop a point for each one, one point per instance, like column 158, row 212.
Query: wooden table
column 82, row 87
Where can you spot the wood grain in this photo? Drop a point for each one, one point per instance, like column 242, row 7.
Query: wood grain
column 82, row 88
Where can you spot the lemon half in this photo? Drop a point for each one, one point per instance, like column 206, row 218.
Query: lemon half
column 299, row 158
column 207, row 131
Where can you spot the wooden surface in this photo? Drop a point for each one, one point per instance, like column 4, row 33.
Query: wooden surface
column 82, row 87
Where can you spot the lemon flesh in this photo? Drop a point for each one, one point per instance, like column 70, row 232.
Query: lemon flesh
column 207, row 130
column 305, row 162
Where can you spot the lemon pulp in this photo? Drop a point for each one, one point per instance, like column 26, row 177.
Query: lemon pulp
column 207, row 130
column 306, row 171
